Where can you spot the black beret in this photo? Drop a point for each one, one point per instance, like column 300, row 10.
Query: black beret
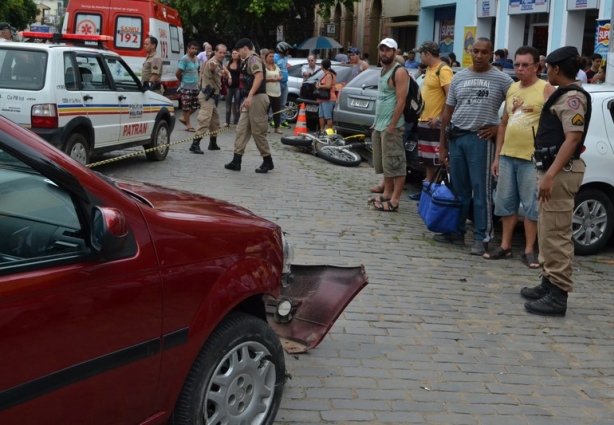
column 243, row 42
column 562, row 53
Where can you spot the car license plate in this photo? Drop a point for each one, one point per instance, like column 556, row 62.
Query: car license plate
column 359, row 103
column 312, row 108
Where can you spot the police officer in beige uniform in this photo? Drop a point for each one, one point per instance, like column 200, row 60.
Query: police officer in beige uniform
column 253, row 120
column 563, row 125
column 152, row 67
column 210, row 83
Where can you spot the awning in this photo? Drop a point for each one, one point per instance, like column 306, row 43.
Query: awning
column 402, row 24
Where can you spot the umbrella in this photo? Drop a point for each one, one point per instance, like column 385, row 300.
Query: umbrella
column 319, row 42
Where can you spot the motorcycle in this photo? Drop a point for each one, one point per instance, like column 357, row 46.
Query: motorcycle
column 345, row 151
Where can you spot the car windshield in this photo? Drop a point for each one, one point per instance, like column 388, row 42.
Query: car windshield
column 22, row 69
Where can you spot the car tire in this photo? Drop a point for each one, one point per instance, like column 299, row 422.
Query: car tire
column 160, row 137
column 238, row 376
column 592, row 222
column 300, row 141
column 292, row 115
column 78, row 148
column 344, row 157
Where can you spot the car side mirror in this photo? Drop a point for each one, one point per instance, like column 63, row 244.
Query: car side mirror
column 110, row 231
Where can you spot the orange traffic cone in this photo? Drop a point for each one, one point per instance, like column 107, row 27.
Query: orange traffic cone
column 301, row 122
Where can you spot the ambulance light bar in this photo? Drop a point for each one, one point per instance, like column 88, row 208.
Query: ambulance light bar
column 59, row 37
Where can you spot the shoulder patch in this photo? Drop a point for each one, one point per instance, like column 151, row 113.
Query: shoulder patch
column 573, row 103
column 577, row 120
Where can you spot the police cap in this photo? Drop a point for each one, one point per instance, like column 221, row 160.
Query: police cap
column 243, row 42
column 561, row 54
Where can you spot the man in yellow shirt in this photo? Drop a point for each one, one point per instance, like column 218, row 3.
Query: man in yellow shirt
column 434, row 92
column 512, row 165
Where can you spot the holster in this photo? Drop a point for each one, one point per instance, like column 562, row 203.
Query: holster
column 208, row 92
column 544, row 157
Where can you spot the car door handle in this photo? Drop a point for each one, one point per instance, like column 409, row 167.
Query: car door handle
column 87, row 97
column 120, row 97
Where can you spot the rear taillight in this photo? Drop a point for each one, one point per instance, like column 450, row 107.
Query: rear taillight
column 44, row 115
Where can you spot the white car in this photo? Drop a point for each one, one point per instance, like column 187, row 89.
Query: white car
column 593, row 218
column 81, row 100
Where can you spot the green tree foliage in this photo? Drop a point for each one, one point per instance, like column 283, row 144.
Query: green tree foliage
column 226, row 21
column 18, row 13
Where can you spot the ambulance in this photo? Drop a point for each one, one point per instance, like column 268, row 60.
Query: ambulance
column 130, row 22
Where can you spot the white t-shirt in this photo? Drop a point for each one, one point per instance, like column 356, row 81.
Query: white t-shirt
column 581, row 76
column 306, row 68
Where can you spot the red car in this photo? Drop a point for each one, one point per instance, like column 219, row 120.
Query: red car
column 125, row 303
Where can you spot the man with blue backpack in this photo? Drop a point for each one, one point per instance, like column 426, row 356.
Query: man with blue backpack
column 281, row 60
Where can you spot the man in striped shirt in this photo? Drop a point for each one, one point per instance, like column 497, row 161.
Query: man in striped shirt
column 469, row 128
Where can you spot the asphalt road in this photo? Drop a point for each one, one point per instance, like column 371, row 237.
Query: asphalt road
column 438, row 336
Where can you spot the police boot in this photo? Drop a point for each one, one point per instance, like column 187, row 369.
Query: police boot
column 235, row 164
column 195, row 148
column 267, row 165
column 538, row 291
column 554, row 303
column 213, row 144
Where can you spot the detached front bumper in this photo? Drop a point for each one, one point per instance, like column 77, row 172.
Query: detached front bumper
column 310, row 303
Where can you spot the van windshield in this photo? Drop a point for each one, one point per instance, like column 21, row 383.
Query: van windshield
column 22, row 69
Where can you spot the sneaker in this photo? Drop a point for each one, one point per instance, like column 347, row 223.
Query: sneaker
column 479, row 248
column 272, row 124
column 453, row 238
column 415, row 196
column 285, row 125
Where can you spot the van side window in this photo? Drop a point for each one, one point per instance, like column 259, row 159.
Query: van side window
column 88, row 23
column 128, row 33
column 174, row 39
column 23, row 69
column 124, row 80
column 92, row 74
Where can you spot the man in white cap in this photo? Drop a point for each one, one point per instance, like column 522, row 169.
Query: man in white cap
column 388, row 127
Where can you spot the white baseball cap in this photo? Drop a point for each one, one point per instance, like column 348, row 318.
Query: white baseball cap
column 389, row 42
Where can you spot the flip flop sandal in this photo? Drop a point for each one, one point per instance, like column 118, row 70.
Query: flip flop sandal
column 377, row 189
column 191, row 129
column 498, row 254
column 530, row 260
column 182, row 121
column 387, row 206
column 379, row 199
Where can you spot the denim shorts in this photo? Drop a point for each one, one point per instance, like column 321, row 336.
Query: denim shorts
column 326, row 110
column 517, row 184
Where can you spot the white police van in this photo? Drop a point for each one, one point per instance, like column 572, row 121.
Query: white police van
column 80, row 99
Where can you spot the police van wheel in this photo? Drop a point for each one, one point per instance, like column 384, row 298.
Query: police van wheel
column 159, row 137
column 77, row 148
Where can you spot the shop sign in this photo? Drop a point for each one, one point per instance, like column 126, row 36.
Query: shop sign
column 582, row 4
column 518, row 7
column 487, row 8
column 468, row 41
column 602, row 38
column 446, row 36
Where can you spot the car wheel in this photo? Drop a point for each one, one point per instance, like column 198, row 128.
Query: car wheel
column 160, row 139
column 77, row 148
column 238, row 376
column 592, row 222
column 292, row 114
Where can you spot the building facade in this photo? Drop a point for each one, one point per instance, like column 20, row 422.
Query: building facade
column 544, row 24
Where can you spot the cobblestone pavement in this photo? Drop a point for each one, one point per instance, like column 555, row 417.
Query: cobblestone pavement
column 438, row 336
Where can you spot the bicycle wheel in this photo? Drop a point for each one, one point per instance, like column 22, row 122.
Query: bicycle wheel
column 296, row 141
column 344, row 157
